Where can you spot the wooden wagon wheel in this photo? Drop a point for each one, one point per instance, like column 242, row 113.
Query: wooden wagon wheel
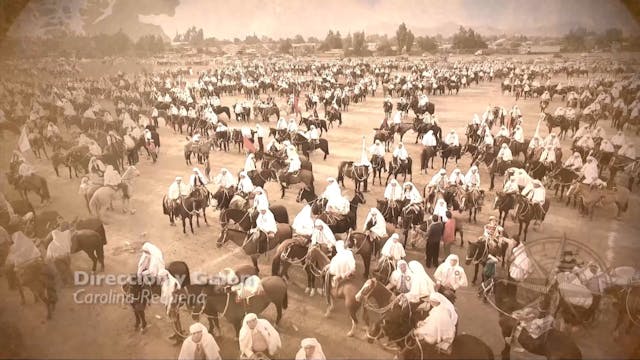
column 550, row 256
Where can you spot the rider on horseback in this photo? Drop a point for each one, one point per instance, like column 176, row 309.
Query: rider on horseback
column 265, row 223
column 303, row 224
column 536, row 197
column 392, row 251
column 323, row 236
column 197, row 179
column 250, row 164
column 573, row 163
column 411, row 196
column 375, row 225
column 177, row 192
column 376, row 150
column 472, row 179
column 590, row 173
column 393, row 193
column 450, row 275
column 282, row 124
column 439, row 328
column 400, row 279
column 437, row 183
column 111, row 178
column 504, row 156
column 628, row 151
column 548, row 156
column 294, row 167
column 342, row 265
column 313, row 135
column 400, row 155
column 96, row 166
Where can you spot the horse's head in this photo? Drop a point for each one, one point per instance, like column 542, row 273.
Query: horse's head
column 472, row 249
column 358, row 198
column 305, row 194
column 366, row 289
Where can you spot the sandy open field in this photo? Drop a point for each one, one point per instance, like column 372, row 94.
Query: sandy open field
column 106, row 331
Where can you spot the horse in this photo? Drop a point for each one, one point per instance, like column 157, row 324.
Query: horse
column 31, row 183
column 184, row 208
column 590, row 198
column 347, row 289
column 554, row 344
column 222, row 197
column 308, row 146
column 447, row 152
column 37, row 277
column 464, row 346
column 37, row 145
column 557, row 121
column 472, row 201
column 362, row 244
column 478, row 252
column 139, row 293
column 104, row 196
column 400, row 167
column 359, row 174
column 346, row 223
column 223, row 110
column 562, row 180
column 285, row 179
column 92, row 243
column 257, row 243
column 247, row 219
column 525, row 213
column 378, row 165
column 428, row 153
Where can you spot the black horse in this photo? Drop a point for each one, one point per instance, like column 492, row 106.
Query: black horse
column 400, row 167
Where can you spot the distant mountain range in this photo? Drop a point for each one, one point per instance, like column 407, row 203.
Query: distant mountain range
column 47, row 17
column 42, row 17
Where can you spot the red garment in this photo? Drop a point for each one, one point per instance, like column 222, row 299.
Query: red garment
column 449, row 234
column 248, row 145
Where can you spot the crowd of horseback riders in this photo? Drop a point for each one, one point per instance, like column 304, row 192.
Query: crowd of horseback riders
column 100, row 141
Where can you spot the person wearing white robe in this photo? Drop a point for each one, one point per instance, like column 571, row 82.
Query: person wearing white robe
column 199, row 345
column 472, row 178
column 574, row 162
column 343, row 264
column 582, row 131
column 281, row 124
column 322, row 234
column 552, row 140
column 487, row 141
column 618, row 140
column 151, row 263
column 397, row 118
column 221, row 128
column 225, row 179
column 250, row 163
column 22, row 250
column 111, row 177
column 520, row 267
column 303, row 222
column 377, row 149
column 266, row 222
column 378, row 227
column 260, row 198
column 393, row 249
column 393, row 191
column 440, row 326
column 421, row 283
column 411, row 194
column 548, row 155
column 197, row 179
column 439, row 180
column 518, row 134
column 505, row 153
column 245, row 185
column 590, row 171
column 452, row 138
column 475, row 120
column 586, row 142
column 313, row 134
column 503, row 132
column 450, row 274
column 258, row 336
column 335, row 202
column 628, row 150
column 429, row 139
column 440, row 209
column 310, row 349
column 401, row 277
column 456, row 178
column 178, row 189
column 606, row 146
column 400, row 153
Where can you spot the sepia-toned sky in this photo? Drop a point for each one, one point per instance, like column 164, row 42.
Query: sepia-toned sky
column 284, row 18
column 226, row 19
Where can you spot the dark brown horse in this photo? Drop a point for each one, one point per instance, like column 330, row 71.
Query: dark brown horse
column 37, row 277
column 32, row 183
column 303, row 176
column 359, row 174
column 257, row 243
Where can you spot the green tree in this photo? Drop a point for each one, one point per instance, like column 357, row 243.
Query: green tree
column 401, row 37
column 408, row 41
column 426, row 43
column 468, row 40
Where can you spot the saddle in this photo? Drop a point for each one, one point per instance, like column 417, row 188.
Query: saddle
column 247, row 289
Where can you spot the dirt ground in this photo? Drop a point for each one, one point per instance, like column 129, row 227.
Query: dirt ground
column 107, row 331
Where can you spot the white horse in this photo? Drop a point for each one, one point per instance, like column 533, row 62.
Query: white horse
column 103, row 197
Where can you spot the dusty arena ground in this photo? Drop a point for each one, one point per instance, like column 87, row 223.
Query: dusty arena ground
column 107, row 331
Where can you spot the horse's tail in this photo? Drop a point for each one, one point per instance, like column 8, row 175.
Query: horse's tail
column 327, row 286
column 623, row 206
column 285, row 299
column 44, row 190
column 275, row 265
column 341, row 172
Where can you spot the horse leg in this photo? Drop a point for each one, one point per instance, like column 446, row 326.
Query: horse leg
column 100, row 256
column 254, row 261
column 93, row 258
column 475, row 273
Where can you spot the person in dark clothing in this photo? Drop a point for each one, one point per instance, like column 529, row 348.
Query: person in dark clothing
column 433, row 237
